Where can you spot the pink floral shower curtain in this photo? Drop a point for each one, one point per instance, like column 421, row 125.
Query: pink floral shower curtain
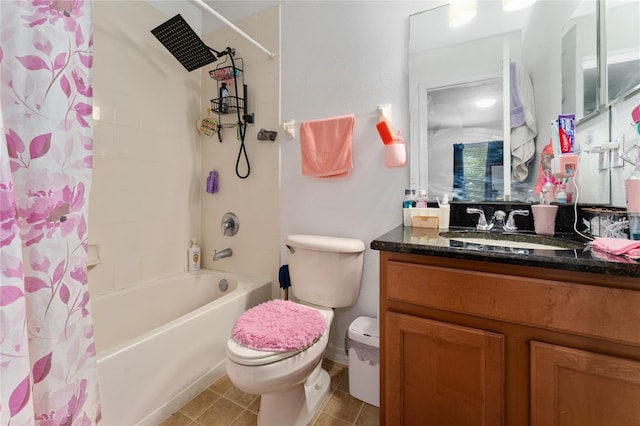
column 47, row 357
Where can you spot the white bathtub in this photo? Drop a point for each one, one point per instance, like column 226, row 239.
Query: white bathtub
column 161, row 343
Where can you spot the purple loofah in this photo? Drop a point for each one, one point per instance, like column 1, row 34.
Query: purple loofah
column 212, row 182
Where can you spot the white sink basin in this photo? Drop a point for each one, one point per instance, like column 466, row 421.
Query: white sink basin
column 520, row 241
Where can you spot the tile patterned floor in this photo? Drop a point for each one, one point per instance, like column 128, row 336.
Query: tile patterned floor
column 222, row 404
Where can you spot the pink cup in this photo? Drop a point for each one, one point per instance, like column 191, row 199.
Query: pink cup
column 544, row 219
column 395, row 155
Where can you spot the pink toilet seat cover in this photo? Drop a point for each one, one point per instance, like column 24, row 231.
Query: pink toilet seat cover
column 279, row 325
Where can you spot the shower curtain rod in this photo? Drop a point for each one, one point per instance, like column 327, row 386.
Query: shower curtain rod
column 215, row 13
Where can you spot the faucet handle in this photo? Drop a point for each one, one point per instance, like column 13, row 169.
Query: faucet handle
column 482, row 220
column 511, row 223
column 230, row 224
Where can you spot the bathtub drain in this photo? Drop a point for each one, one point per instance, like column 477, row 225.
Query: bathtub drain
column 223, row 285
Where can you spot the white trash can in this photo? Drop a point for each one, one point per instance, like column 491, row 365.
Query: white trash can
column 363, row 347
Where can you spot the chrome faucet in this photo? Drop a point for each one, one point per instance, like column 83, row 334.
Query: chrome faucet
column 482, row 220
column 511, row 223
column 497, row 221
column 217, row 255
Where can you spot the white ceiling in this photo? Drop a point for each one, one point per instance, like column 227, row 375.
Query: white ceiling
column 233, row 10
column 203, row 22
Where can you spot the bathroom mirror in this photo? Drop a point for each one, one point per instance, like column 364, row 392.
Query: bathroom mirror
column 622, row 40
column 450, row 70
column 440, row 56
column 580, row 73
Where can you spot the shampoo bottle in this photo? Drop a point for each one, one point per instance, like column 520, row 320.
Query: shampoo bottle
column 224, row 92
column 194, row 256
column 408, row 202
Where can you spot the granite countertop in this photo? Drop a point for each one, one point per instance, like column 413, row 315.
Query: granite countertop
column 429, row 242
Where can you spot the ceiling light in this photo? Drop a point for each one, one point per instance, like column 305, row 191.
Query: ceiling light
column 461, row 12
column 485, row 102
column 513, row 5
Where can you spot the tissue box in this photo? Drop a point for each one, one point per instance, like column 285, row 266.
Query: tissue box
column 425, row 222
column 423, row 217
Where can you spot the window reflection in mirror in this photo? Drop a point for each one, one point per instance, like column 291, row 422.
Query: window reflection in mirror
column 478, row 171
column 465, row 138
column 622, row 47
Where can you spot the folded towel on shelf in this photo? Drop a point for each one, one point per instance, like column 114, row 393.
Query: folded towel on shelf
column 325, row 146
column 618, row 246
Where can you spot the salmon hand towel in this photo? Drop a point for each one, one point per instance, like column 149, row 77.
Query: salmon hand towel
column 618, row 246
column 325, row 146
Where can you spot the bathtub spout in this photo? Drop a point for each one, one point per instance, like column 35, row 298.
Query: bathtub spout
column 217, row 255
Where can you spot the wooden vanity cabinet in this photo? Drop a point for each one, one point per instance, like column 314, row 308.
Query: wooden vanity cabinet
column 444, row 373
column 569, row 386
column 479, row 343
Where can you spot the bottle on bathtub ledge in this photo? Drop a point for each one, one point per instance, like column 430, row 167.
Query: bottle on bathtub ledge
column 193, row 256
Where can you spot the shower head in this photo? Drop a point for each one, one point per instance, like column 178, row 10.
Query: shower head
column 184, row 44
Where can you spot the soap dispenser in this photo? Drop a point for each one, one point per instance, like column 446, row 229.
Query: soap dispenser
column 444, row 213
column 549, row 191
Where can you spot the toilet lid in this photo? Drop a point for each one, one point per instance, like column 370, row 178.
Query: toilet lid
column 279, row 326
column 247, row 356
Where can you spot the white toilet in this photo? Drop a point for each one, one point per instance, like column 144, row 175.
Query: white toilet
column 326, row 273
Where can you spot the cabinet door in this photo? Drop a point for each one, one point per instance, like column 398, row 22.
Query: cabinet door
column 442, row 374
column 573, row 387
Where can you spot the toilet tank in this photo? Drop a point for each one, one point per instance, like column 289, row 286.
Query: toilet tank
column 325, row 271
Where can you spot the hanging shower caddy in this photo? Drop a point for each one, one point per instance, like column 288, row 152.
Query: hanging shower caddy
column 225, row 75
column 185, row 45
column 230, row 76
column 230, row 102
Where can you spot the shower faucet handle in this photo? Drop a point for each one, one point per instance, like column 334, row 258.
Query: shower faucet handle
column 230, row 224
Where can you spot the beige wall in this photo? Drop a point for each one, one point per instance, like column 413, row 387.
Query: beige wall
column 150, row 164
column 254, row 199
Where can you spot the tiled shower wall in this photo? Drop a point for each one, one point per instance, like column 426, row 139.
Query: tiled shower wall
column 145, row 197
column 150, row 164
column 255, row 199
